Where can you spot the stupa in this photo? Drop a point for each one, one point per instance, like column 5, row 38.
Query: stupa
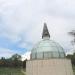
column 48, row 58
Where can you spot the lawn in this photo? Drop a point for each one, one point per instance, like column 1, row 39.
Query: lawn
column 74, row 69
column 11, row 71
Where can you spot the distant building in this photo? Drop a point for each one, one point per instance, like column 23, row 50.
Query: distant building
column 48, row 58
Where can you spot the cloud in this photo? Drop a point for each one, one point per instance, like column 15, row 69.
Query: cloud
column 6, row 52
column 60, row 8
column 26, row 56
column 21, row 21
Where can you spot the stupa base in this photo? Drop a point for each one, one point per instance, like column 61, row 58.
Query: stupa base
column 49, row 67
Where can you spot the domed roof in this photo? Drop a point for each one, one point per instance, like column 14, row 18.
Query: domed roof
column 47, row 48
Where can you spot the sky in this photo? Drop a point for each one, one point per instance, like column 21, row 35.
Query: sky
column 21, row 24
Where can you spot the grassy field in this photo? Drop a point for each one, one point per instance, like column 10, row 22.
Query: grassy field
column 74, row 70
column 11, row 71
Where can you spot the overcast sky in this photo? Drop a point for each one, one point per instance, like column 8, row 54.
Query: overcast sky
column 21, row 23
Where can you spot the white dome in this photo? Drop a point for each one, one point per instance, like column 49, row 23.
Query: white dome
column 47, row 49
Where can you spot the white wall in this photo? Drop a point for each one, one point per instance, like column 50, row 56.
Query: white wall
column 49, row 67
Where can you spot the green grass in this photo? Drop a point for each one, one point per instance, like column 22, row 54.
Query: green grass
column 74, row 69
column 11, row 71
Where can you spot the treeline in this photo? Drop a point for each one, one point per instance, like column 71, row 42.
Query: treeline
column 72, row 57
column 14, row 62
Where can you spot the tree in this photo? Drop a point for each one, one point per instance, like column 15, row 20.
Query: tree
column 16, row 60
column 16, row 57
column 72, row 33
column 72, row 57
column 24, row 63
column 3, row 62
